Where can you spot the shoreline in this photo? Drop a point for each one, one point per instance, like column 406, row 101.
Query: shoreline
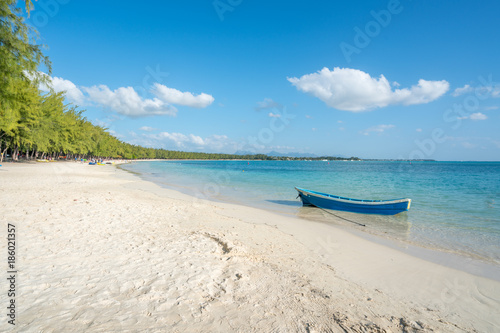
column 466, row 262
column 196, row 265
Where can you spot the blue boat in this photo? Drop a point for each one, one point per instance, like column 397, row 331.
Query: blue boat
column 328, row 201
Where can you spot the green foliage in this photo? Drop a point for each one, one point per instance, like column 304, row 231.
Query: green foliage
column 20, row 56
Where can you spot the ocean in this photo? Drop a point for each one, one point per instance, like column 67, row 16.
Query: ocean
column 455, row 205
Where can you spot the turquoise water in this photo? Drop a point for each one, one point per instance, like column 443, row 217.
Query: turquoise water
column 455, row 205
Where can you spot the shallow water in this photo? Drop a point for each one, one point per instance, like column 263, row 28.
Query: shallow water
column 455, row 205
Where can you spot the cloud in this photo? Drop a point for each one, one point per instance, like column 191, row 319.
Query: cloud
column 418, row 130
column 478, row 116
column 475, row 116
column 377, row 129
column 101, row 123
column 116, row 134
column 147, row 129
column 484, row 91
column 72, row 92
column 464, row 90
column 178, row 139
column 274, row 115
column 268, row 103
column 191, row 142
column 354, row 90
column 58, row 84
column 174, row 96
column 127, row 101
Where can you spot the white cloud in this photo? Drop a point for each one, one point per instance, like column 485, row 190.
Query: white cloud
column 174, row 96
column 464, row 90
column 147, row 129
column 127, row 101
column 274, row 115
column 484, row 91
column 116, row 134
column 377, row 129
column 354, row 90
column 189, row 142
column 101, row 123
column 267, row 103
column 418, row 130
column 478, row 116
column 58, row 84
column 475, row 116
column 72, row 92
column 179, row 140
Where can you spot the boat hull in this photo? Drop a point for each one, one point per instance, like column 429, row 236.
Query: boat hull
column 328, row 201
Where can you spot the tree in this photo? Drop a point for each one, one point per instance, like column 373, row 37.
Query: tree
column 20, row 55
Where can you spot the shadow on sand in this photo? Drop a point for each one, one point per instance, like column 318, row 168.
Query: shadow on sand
column 293, row 203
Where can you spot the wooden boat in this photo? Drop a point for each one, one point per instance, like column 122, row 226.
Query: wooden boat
column 328, row 201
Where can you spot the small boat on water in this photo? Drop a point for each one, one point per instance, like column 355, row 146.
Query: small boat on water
column 329, row 201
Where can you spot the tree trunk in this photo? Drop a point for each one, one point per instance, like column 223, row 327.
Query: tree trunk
column 3, row 154
column 15, row 153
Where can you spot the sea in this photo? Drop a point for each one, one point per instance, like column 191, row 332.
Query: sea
column 455, row 205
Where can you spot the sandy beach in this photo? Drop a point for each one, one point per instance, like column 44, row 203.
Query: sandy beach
column 100, row 250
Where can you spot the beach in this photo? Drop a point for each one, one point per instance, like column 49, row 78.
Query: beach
column 99, row 249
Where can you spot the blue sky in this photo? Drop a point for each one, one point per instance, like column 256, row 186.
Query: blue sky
column 373, row 79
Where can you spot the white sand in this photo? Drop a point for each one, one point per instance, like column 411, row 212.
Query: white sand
column 99, row 250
